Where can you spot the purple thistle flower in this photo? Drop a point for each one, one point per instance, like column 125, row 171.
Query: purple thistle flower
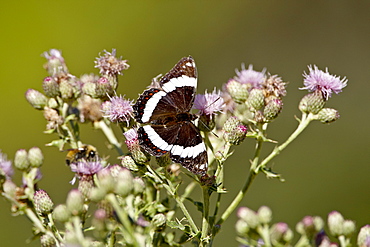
column 132, row 140
column 118, row 109
column 84, row 167
column 109, row 64
column 250, row 76
column 209, row 103
column 6, row 166
column 323, row 81
column 53, row 54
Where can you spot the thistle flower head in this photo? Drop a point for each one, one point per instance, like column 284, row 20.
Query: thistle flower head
column 209, row 103
column 118, row 109
column 6, row 168
column 109, row 64
column 55, row 65
column 250, row 76
column 323, row 81
column 84, row 167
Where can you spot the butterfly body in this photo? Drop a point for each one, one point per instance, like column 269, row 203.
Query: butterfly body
column 165, row 114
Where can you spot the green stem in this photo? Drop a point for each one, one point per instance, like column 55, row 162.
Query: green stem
column 205, row 223
column 123, row 216
column 172, row 192
column 108, row 132
column 238, row 198
column 306, row 119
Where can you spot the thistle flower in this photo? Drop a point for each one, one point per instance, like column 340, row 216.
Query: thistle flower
column 209, row 103
column 6, row 168
column 323, row 81
column 110, row 65
column 118, row 109
column 274, row 86
column 250, row 76
column 84, row 167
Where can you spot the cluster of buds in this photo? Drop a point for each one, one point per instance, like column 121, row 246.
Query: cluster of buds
column 253, row 229
column 256, row 97
column 66, row 95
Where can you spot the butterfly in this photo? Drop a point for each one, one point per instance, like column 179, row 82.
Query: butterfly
column 167, row 124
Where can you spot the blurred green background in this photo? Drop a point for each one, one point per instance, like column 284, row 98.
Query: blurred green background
column 326, row 168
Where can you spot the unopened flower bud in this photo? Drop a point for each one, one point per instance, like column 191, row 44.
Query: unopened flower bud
column 43, row 202
column 53, row 103
column 106, row 180
column 234, row 131
column 238, row 91
column 61, row 213
column 312, row 103
column 249, row 216
column 21, row 160
column 272, row 109
column 9, row 188
column 124, row 183
column 66, row 89
column 139, row 185
column 97, row 194
column 36, row 99
column 242, row 227
column 103, row 87
column 328, row 115
column 89, row 88
column 51, row 87
column 128, row 162
column 35, row 157
column 256, row 99
column 75, row 202
column 159, row 222
column 349, row 228
column 47, row 240
column 335, row 223
column 264, row 214
column 280, row 234
column 363, row 238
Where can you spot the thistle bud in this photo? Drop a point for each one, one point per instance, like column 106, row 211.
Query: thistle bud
column 328, row 115
column 55, row 65
column 129, row 163
column 106, row 180
column 312, row 103
column 47, row 240
column 61, row 213
column 272, row 109
column 66, row 89
column 159, row 222
column 36, row 99
column 363, row 238
column 249, row 216
column 256, row 99
column 75, row 202
column 238, row 91
column 89, row 88
column 349, row 228
column 21, row 160
column 264, row 214
column 124, row 183
column 281, row 234
column 85, row 184
column 234, row 131
column 35, row 157
column 139, row 185
column 43, row 202
column 242, row 227
column 103, row 87
column 51, row 87
column 335, row 223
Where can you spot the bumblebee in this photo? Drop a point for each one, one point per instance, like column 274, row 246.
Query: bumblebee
column 87, row 152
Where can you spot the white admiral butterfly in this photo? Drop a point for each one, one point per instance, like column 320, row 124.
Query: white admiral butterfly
column 165, row 110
